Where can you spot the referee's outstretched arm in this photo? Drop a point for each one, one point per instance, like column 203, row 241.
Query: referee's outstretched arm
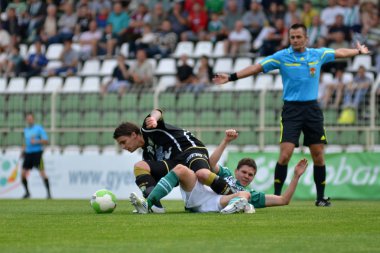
column 221, row 78
column 349, row 52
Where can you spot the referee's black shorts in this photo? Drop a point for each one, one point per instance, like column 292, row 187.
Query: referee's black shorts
column 302, row 116
column 33, row 160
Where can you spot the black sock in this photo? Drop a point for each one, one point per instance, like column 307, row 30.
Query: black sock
column 25, row 184
column 220, row 186
column 146, row 183
column 280, row 173
column 320, row 180
column 47, row 186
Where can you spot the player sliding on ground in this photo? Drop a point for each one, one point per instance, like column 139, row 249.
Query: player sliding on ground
column 199, row 198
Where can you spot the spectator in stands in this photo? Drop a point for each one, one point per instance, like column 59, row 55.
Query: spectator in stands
column 308, row 13
column 189, row 4
column 336, row 86
column 142, row 71
column 84, row 17
column 15, row 62
column 36, row 61
column 3, row 61
column 292, row 14
column 67, row 23
column 316, row 31
column 339, row 42
column 276, row 40
column 138, row 19
column 165, row 41
column 356, row 91
column 337, row 27
column 49, row 29
column 215, row 28
column 107, row 43
column 121, row 78
column 178, row 18
column 36, row 15
column 35, row 138
column 239, row 40
column 231, row 15
column 273, row 13
column 147, row 41
column 12, row 26
column 203, row 76
column 352, row 16
column 329, row 13
column 254, row 19
column 5, row 38
column 369, row 16
column 197, row 21
column 120, row 22
column 157, row 16
column 101, row 18
column 20, row 7
column 214, row 6
column 69, row 58
column 101, row 7
column 89, row 41
column 185, row 74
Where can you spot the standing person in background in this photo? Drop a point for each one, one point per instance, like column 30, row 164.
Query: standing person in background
column 300, row 68
column 35, row 137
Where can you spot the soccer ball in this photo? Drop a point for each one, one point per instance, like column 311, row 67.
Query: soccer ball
column 103, row 201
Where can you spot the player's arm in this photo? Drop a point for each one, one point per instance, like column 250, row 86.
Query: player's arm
column 231, row 135
column 221, row 78
column 151, row 121
column 351, row 52
column 273, row 200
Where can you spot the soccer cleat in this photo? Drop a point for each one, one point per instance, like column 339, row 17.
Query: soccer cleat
column 249, row 208
column 325, row 202
column 140, row 204
column 236, row 205
column 156, row 209
column 26, row 196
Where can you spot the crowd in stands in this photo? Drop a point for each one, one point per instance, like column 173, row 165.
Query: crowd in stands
column 153, row 28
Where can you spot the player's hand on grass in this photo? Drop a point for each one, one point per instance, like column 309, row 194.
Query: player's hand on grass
column 231, row 134
column 300, row 167
column 220, row 78
column 151, row 122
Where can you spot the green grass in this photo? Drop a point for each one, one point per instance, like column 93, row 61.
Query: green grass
column 72, row 226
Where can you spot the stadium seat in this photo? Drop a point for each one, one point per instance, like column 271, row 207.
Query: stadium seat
column 230, row 86
column 146, row 102
column 170, row 116
column 227, row 118
column 16, row 103
column 223, row 65
column 71, row 148
column 16, row 85
column 330, row 116
column 34, row 102
column 277, row 83
column 166, row 66
column 110, row 102
column 210, row 137
column 68, row 102
column 246, row 138
column 241, row 63
column 53, row 84
column 3, row 121
column 186, row 101
column 128, row 101
column 53, row 64
column 124, row 49
column 32, row 49
column 166, row 81
column 263, row 82
column 23, row 50
column 187, row 119
column 327, row 78
column 72, row 84
column 90, row 138
column 91, row 119
column 203, row 48
column 207, row 118
column 90, row 68
column 247, row 100
column 91, row 84
column 184, row 47
column 218, row 49
column 35, row 84
column 205, row 101
column 110, row 119
column 271, row 138
column 109, row 150
column 361, row 60
column 14, row 139
column 245, row 84
column 15, row 120
column 247, row 118
column 190, row 62
column 167, row 101
column 223, row 100
column 90, row 101
column 153, row 62
column 3, row 84
column 69, row 119
column 91, row 150
column 131, row 116
column 107, row 67
column 348, row 76
column 54, row 51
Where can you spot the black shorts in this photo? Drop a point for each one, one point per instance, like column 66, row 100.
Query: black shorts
column 33, row 160
column 193, row 158
column 302, row 116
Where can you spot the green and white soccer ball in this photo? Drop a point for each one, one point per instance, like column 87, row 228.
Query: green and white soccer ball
column 103, row 201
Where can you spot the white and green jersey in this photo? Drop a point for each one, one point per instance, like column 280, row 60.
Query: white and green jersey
column 257, row 198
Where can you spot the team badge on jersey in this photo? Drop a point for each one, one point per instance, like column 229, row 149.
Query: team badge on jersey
column 312, row 72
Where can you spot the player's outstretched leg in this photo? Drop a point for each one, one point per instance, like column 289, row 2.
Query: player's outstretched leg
column 140, row 204
column 236, row 205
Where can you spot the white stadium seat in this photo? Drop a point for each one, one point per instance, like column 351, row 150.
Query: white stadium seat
column 360, row 60
column 16, row 85
column 32, row 49
column 264, row 82
column 35, row 84
column 90, row 68
column 54, row 51
column 218, row 49
column 277, row 83
column 3, row 84
column 53, row 84
column 72, row 84
column 124, row 49
column 223, row 65
column 107, row 67
column 245, row 84
column 203, row 48
column 241, row 63
column 184, row 47
column 166, row 81
column 166, row 66
column 91, row 84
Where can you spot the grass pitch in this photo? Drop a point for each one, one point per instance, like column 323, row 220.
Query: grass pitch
column 72, row 226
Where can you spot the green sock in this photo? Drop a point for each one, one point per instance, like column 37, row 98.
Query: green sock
column 163, row 188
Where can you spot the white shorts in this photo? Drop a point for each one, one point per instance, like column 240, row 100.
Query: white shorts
column 201, row 199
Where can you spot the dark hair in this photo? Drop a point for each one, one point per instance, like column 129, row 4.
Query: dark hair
column 126, row 129
column 247, row 161
column 296, row 26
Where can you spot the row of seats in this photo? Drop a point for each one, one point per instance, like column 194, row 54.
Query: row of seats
column 105, row 138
